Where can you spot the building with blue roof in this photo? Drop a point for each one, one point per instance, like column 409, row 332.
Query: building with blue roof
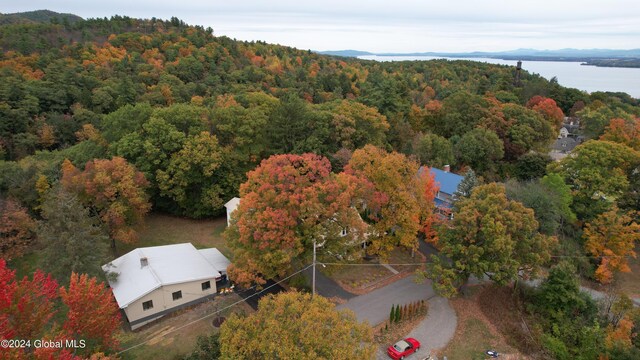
column 448, row 184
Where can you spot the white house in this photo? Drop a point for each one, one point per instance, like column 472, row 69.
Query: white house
column 231, row 206
column 154, row 281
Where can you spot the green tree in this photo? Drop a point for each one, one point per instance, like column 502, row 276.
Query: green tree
column 190, row 176
column 462, row 113
column 480, row 149
column 532, row 165
column 567, row 316
column 597, row 173
column 434, row 151
column 489, row 236
column 125, row 120
column 207, row 348
column 465, row 187
column 72, row 240
column 550, row 200
column 296, row 326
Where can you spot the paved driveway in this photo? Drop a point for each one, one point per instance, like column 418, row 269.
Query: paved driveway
column 375, row 306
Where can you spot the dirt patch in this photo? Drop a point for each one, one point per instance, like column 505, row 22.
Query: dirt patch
column 169, row 338
column 503, row 309
column 629, row 283
column 477, row 330
column 396, row 331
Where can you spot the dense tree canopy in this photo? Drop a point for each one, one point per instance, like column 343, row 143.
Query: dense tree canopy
column 287, row 204
column 115, row 190
column 612, row 237
column 405, row 197
column 296, row 326
column 598, row 175
column 492, row 236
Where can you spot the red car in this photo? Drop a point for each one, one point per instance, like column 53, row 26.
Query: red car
column 403, row 348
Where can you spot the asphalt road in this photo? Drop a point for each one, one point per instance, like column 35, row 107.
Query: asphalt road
column 375, row 306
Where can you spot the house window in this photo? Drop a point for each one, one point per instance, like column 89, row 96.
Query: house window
column 206, row 285
column 147, row 305
column 177, row 295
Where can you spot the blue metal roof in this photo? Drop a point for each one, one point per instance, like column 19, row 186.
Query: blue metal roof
column 447, row 181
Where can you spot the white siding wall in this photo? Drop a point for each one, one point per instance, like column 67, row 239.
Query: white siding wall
column 163, row 299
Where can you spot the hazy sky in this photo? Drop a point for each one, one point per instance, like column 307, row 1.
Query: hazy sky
column 388, row 26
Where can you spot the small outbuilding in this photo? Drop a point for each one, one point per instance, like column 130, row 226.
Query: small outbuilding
column 151, row 282
column 231, row 206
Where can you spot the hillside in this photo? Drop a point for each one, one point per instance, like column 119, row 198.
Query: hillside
column 37, row 16
column 63, row 82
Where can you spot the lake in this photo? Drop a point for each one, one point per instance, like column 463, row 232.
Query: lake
column 569, row 74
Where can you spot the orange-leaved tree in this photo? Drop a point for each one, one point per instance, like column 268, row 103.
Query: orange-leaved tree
column 115, row 190
column 548, row 108
column 404, row 203
column 612, row 237
column 288, row 203
column 626, row 132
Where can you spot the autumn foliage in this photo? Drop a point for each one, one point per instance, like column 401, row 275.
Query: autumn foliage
column 403, row 202
column 115, row 189
column 612, row 237
column 95, row 326
column 27, row 308
column 289, row 202
column 548, row 108
column 296, row 326
column 623, row 131
column 17, row 229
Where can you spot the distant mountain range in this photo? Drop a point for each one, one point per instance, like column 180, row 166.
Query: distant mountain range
column 568, row 53
column 38, row 16
column 597, row 57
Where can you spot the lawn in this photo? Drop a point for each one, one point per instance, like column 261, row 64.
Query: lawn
column 362, row 279
column 162, row 229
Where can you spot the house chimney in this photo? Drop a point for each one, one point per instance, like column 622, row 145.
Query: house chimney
column 447, row 168
column 144, row 262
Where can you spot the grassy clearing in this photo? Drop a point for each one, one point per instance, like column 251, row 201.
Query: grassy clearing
column 162, row 229
column 484, row 318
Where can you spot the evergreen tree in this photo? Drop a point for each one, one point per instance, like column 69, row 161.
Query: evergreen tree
column 73, row 240
column 467, row 184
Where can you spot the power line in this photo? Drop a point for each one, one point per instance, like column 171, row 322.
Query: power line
column 216, row 312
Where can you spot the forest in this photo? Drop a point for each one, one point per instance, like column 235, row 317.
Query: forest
column 103, row 121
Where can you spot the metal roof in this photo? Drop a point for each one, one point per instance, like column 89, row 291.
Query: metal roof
column 447, row 181
column 166, row 265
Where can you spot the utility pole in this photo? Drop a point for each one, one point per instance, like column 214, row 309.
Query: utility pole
column 313, row 276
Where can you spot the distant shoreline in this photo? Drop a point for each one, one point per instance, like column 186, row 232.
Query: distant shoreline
column 598, row 61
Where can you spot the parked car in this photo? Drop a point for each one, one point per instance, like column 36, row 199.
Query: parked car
column 403, row 348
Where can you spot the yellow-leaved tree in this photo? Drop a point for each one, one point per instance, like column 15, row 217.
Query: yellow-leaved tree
column 293, row 325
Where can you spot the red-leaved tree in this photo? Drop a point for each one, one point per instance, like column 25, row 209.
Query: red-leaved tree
column 27, row 307
column 96, row 326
